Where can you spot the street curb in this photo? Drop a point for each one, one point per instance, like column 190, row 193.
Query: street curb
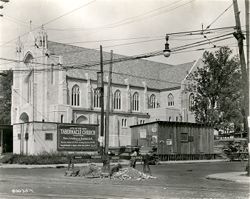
column 239, row 177
column 20, row 166
column 193, row 161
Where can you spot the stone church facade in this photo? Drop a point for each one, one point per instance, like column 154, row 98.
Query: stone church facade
column 57, row 83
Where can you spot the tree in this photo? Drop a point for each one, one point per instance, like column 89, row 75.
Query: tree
column 5, row 98
column 219, row 99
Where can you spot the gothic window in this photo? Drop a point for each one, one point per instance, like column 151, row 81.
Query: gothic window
column 117, row 100
column 52, row 73
column 97, row 101
column 191, row 101
column 142, row 121
column 75, row 96
column 152, row 101
column 28, row 79
column 29, row 89
column 124, row 123
column 135, row 100
column 170, row 100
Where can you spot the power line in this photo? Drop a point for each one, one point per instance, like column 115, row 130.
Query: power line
column 50, row 21
column 136, row 76
column 193, row 32
column 130, row 75
column 111, row 25
column 67, row 13
column 28, row 102
column 127, row 58
column 218, row 16
column 118, row 39
column 132, row 21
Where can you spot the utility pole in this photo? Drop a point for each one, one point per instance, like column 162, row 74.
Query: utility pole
column 247, row 5
column 108, row 110
column 240, row 37
column 100, row 85
column 101, row 92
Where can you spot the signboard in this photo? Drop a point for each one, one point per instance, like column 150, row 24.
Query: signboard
column 77, row 138
column 154, row 140
column 169, row 142
column 143, row 133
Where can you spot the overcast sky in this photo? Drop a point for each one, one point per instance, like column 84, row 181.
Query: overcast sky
column 131, row 23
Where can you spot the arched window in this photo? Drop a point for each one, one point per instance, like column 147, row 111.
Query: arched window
column 82, row 120
column 152, row 101
column 135, row 100
column 117, row 100
column 124, row 122
column 191, row 101
column 170, row 100
column 75, row 96
column 97, row 95
column 28, row 79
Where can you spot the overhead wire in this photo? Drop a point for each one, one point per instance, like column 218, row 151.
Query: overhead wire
column 128, row 58
column 213, row 23
column 219, row 16
column 67, row 13
column 126, row 74
column 193, row 32
column 112, row 25
column 132, row 21
column 50, row 21
column 141, row 77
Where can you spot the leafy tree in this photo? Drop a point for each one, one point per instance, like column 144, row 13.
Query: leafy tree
column 219, row 99
column 5, row 97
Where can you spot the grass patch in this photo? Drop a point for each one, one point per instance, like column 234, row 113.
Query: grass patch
column 43, row 158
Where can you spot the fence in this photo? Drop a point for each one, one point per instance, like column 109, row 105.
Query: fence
column 174, row 157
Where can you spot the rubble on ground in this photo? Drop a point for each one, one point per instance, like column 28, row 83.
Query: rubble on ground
column 89, row 171
column 93, row 171
column 130, row 173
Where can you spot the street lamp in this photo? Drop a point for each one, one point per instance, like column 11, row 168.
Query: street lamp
column 166, row 51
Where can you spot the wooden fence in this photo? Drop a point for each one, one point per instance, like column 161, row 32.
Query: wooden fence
column 175, row 157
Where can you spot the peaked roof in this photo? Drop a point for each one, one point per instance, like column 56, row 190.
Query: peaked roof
column 155, row 74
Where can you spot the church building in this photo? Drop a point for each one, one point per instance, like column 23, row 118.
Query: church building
column 57, row 83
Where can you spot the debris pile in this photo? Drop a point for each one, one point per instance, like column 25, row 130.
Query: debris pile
column 131, row 174
column 116, row 172
column 90, row 171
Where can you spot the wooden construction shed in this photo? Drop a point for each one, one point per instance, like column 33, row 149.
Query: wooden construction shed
column 175, row 138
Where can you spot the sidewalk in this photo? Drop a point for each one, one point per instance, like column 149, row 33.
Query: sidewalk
column 122, row 162
column 239, row 177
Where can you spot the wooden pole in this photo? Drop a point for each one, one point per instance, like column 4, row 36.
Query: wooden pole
column 240, row 37
column 102, row 93
column 108, row 104
column 247, row 5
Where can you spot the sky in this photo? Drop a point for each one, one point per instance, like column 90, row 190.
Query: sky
column 128, row 27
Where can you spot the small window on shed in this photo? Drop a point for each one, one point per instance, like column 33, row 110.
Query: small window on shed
column 48, row 136
column 184, row 137
column 19, row 136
